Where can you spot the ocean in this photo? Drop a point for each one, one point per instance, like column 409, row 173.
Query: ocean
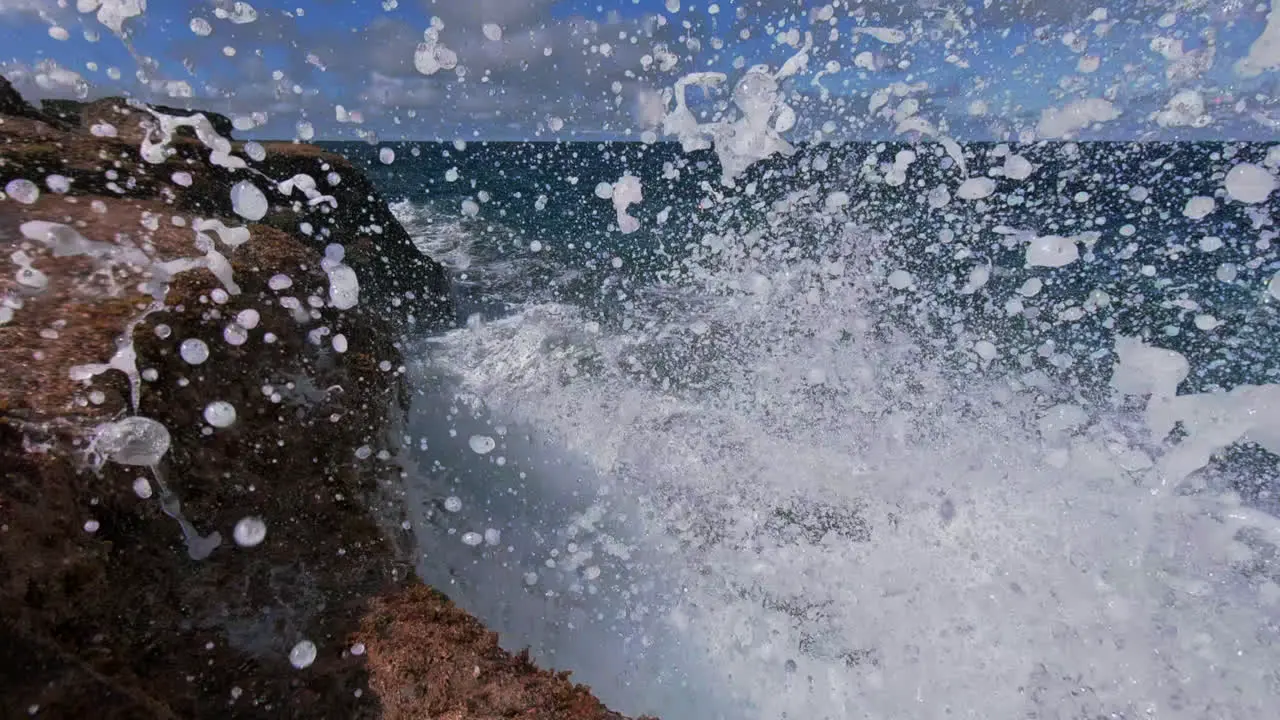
column 884, row 430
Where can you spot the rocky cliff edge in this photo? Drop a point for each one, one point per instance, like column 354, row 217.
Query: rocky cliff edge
column 199, row 358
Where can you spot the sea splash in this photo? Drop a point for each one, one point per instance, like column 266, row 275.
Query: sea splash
column 837, row 519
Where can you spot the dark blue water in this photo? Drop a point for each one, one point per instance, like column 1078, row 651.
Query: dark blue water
column 1146, row 257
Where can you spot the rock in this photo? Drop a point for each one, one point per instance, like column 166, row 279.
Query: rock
column 428, row 659
column 221, row 123
column 377, row 246
column 397, row 280
column 121, row 618
column 13, row 104
column 66, row 110
column 107, row 611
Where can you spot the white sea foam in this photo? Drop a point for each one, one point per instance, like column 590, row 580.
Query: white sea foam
column 836, row 523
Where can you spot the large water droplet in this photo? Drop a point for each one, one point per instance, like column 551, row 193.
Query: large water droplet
column 194, row 351
column 133, row 441
column 250, row 532
column 235, row 334
column 1249, row 183
column 24, row 191
column 220, row 414
column 248, row 319
column 303, row 654
column 248, row 201
column 482, row 444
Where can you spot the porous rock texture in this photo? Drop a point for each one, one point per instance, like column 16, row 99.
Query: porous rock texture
column 105, row 614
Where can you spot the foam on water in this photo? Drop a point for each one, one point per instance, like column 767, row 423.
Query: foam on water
column 836, row 522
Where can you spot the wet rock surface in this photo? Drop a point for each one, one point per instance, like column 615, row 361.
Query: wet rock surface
column 120, row 309
column 427, row 658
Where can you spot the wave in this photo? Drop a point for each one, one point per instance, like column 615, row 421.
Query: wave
column 492, row 265
column 837, row 522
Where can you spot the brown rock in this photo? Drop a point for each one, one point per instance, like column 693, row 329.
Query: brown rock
column 428, row 659
column 123, row 621
column 105, row 613
column 397, row 280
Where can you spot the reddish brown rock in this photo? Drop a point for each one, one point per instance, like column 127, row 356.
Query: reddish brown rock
column 105, row 614
column 428, row 659
column 397, row 281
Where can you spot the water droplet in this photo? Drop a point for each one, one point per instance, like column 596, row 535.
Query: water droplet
column 493, row 536
column 142, row 488
column 357, row 649
column 201, row 27
column 339, row 343
column 24, row 191
column 248, row 319
column 472, row 538
column 453, row 503
column 387, row 155
column 235, row 334
column 279, row 282
column 248, row 201
column 220, row 414
column 194, row 351
column 482, row 444
column 302, row 654
column 133, row 441
column 58, row 183
column 364, row 452
column 91, row 526
column 250, row 532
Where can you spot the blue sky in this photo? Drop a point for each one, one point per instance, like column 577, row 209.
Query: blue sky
column 594, row 68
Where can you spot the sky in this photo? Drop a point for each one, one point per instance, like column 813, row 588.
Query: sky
column 598, row 69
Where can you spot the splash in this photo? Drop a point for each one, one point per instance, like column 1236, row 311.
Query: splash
column 799, row 478
column 757, row 133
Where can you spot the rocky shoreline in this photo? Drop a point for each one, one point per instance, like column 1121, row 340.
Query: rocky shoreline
column 254, row 331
